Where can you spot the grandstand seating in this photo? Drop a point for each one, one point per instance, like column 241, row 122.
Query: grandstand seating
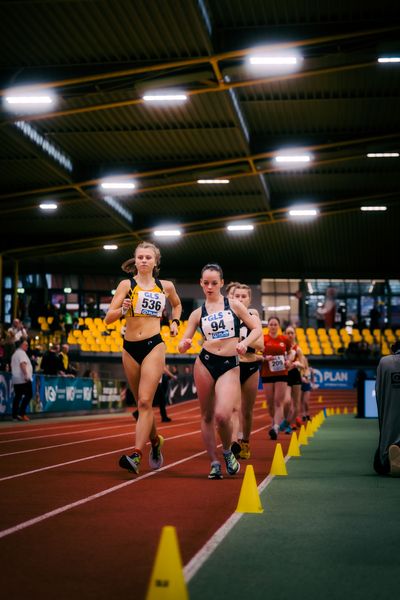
column 96, row 336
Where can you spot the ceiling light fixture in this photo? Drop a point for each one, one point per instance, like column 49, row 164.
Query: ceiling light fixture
column 373, row 208
column 389, row 59
column 167, row 232
column 293, row 158
column 273, row 60
column 212, row 181
column 163, row 97
column 383, row 155
column 48, row 206
column 118, row 185
column 303, row 212
column 240, row 227
column 110, row 247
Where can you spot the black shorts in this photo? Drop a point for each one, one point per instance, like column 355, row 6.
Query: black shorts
column 306, row 387
column 247, row 369
column 216, row 364
column 294, row 377
column 139, row 350
column 274, row 378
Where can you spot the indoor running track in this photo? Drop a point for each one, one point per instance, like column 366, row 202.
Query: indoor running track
column 74, row 525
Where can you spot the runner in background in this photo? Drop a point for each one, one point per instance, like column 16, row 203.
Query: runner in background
column 274, row 372
column 307, row 377
column 249, row 365
column 292, row 407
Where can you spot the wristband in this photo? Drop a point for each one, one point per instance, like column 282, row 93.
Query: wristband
column 177, row 321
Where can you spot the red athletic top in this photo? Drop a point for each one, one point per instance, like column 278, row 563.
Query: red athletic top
column 276, row 347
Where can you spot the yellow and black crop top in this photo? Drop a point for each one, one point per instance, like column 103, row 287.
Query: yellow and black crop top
column 146, row 303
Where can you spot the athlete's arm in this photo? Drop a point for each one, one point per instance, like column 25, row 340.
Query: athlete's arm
column 193, row 323
column 120, row 303
column 176, row 305
column 251, row 323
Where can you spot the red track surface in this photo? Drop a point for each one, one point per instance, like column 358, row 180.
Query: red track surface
column 104, row 546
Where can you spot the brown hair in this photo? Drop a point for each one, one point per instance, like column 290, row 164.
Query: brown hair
column 212, row 267
column 276, row 319
column 129, row 266
column 231, row 285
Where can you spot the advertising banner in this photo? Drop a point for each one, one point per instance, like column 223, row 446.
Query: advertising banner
column 62, row 394
column 337, row 379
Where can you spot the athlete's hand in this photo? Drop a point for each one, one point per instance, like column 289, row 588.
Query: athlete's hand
column 241, row 348
column 126, row 304
column 173, row 329
column 184, row 345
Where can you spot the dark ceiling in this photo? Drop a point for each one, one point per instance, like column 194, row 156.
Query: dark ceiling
column 100, row 57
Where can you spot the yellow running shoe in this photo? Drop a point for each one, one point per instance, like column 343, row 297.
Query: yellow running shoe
column 245, row 451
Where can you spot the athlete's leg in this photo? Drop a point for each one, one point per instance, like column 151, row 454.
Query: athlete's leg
column 227, row 389
column 205, row 392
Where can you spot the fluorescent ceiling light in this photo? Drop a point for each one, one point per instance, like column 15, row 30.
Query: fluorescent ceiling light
column 303, row 212
column 373, row 208
column 211, row 181
column 67, row 290
column 167, row 232
column 383, row 155
column 110, row 247
column 29, row 100
column 389, row 59
column 293, row 158
column 48, row 206
column 165, row 97
column 118, row 185
column 273, row 60
column 21, row 290
column 242, row 227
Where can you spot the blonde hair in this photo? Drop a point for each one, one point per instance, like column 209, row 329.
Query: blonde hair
column 243, row 286
column 129, row 266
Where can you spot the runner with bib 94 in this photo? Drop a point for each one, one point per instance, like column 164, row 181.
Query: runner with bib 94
column 216, row 370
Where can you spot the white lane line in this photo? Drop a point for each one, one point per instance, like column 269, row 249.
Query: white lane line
column 104, row 437
column 39, row 437
column 198, row 560
column 115, row 488
column 17, row 429
column 71, row 462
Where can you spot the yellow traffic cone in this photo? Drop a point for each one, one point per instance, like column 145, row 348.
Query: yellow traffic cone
column 355, row 410
column 294, row 449
column 337, row 410
column 309, row 430
column 249, row 499
column 167, row 581
column 278, row 466
column 320, row 399
column 264, row 404
column 345, row 411
column 302, row 437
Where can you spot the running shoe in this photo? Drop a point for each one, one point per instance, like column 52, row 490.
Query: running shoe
column 232, row 465
column 156, row 459
column 215, row 472
column 235, row 449
column 288, row 430
column 283, row 425
column 245, row 451
column 299, row 422
column 131, row 463
column 273, row 434
column 394, row 460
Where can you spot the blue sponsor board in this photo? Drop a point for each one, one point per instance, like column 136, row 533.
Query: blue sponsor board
column 60, row 394
column 57, row 394
column 337, row 379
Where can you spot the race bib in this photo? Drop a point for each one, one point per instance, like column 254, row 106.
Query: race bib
column 277, row 363
column 218, row 325
column 149, row 304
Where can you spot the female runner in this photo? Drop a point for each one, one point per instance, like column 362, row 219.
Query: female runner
column 216, row 370
column 293, row 394
column 249, row 364
column 274, row 372
column 141, row 300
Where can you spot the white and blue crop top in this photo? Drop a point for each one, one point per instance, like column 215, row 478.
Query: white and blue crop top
column 223, row 324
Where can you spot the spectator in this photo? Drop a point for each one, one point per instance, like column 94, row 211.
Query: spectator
column 375, row 318
column 67, row 369
column 18, row 330
column 52, row 363
column 327, row 312
column 21, row 369
column 387, row 389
